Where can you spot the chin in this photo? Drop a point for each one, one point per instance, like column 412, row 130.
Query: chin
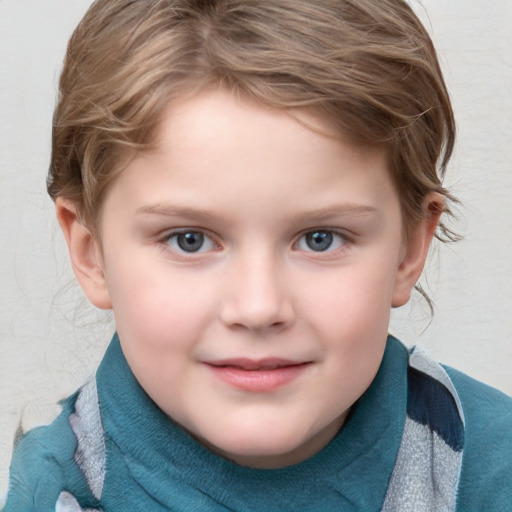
column 260, row 451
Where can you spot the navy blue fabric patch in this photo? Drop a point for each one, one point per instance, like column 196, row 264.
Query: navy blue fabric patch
column 430, row 403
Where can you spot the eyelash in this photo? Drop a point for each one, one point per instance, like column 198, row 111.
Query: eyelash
column 331, row 235
column 175, row 236
column 171, row 242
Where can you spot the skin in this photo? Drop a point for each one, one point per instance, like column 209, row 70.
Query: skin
column 262, row 190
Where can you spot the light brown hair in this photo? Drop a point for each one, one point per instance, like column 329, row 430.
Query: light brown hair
column 367, row 66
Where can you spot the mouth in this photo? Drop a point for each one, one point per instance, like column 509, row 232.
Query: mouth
column 254, row 364
column 257, row 376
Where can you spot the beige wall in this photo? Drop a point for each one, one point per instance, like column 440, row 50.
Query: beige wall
column 50, row 340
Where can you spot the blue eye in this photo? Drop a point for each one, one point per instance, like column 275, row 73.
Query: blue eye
column 190, row 241
column 321, row 241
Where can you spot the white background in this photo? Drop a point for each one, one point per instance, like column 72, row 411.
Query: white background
column 50, row 340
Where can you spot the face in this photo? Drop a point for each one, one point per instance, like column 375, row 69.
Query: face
column 251, row 264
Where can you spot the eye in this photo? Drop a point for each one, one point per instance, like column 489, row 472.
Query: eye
column 321, row 240
column 190, row 242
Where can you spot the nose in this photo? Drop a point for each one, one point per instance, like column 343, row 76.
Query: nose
column 256, row 295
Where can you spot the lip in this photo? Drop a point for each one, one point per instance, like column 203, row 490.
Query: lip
column 257, row 376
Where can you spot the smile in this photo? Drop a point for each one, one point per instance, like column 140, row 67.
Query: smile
column 257, row 376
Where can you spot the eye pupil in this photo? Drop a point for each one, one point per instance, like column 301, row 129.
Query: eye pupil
column 319, row 240
column 191, row 241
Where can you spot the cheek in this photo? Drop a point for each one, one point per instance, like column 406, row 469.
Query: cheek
column 159, row 308
column 160, row 321
column 348, row 299
column 352, row 320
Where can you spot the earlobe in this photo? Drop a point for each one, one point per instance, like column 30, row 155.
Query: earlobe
column 416, row 250
column 85, row 253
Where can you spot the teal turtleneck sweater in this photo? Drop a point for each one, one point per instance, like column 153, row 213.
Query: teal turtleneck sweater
column 133, row 458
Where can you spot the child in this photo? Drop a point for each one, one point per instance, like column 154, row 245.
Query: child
column 251, row 186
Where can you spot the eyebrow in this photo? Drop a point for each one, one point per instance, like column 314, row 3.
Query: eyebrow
column 338, row 211
column 204, row 214
column 176, row 211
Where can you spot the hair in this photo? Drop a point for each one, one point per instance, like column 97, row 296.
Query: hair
column 368, row 67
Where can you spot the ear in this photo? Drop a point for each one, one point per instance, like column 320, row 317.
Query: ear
column 416, row 249
column 85, row 253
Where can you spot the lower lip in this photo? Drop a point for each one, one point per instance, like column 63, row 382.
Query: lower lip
column 258, row 381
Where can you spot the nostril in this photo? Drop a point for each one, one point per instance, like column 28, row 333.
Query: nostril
column 263, row 327
column 258, row 305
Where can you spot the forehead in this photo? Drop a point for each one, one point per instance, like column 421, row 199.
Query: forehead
column 239, row 159
column 209, row 106
column 216, row 118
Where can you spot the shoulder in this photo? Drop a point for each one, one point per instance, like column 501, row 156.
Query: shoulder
column 43, row 465
column 474, row 421
column 483, row 403
column 39, row 462
column 486, row 476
